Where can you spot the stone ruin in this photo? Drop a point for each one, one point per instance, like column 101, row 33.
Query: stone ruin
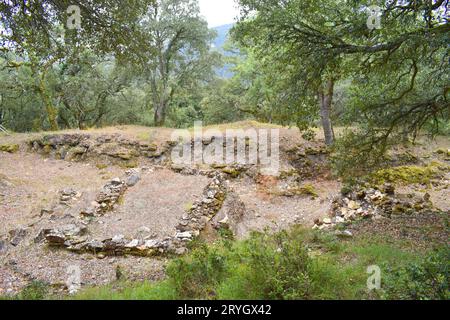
column 75, row 237
column 372, row 203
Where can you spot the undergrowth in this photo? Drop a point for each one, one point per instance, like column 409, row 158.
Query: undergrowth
column 298, row 264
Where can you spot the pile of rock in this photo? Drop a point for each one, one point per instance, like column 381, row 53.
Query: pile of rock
column 17, row 235
column 366, row 203
column 68, row 235
column 205, row 209
column 133, row 177
column 67, row 196
column 13, row 238
column 118, row 245
column 107, row 198
column 231, row 213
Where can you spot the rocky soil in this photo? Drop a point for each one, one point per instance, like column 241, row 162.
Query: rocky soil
column 111, row 203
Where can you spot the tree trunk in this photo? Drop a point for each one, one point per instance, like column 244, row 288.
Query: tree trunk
column 2, row 114
column 159, row 103
column 160, row 115
column 52, row 112
column 325, row 101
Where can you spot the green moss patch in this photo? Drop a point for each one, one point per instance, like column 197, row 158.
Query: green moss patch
column 10, row 148
column 409, row 174
column 304, row 190
column 234, row 173
column 101, row 166
column 130, row 164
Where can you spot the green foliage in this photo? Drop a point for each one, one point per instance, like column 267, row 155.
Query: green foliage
column 197, row 275
column 179, row 50
column 308, row 189
column 221, row 103
column 355, row 154
column 309, row 135
column 428, row 279
column 36, row 290
column 295, row 264
column 439, row 127
column 162, row 71
column 389, row 81
column 225, row 233
column 82, row 80
column 283, row 269
column 130, row 291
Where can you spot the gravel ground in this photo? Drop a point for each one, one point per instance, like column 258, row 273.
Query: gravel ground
column 419, row 231
column 264, row 210
column 156, row 204
column 30, row 183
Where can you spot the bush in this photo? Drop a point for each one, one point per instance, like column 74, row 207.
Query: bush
column 408, row 174
column 36, row 290
column 263, row 267
column 355, row 155
column 295, row 264
column 428, row 280
column 269, row 267
column 196, row 275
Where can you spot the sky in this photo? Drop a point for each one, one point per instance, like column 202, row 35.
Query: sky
column 218, row 12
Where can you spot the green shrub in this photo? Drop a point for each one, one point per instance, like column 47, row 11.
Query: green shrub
column 195, row 276
column 295, row 264
column 10, row 148
column 35, row 290
column 355, row 154
column 309, row 135
column 268, row 267
column 427, row 280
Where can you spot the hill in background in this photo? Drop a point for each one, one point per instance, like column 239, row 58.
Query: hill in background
column 219, row 42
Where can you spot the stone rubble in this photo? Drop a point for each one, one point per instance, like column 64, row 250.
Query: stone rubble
column 368, row 203
column 113, row 148
column 67, row 196
column 73, row 238
column 231, row 213
column 16, row 236
column 133, row 177
column 204, row 210
column 106, row 199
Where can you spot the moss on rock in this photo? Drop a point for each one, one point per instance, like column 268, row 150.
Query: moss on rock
column 130, row 164
column 233, row 172
column 409, row 174
column 303, row 190
column 444, row 152
column 308, row 189
column 75, row 153
column 288, row 173
column 101, row 166
column 47, row 149
column 10, row 148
